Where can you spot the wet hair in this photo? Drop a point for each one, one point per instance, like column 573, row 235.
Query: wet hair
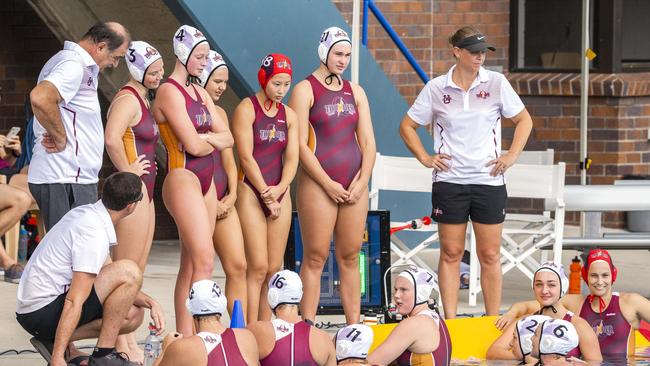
column 461, row 34
column 112, row 33
column 120, row 189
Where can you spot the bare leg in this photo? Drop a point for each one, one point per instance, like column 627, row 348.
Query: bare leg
column 350, row 224
column 14, row 203
column 317, row 214
column 228, row 241
column 452, row 246
column 253, row 223
column 277, row 234
column 488, row 246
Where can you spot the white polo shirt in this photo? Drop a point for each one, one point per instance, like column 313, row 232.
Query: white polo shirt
column 79, row 242
column 467, row 124
column 74, row 74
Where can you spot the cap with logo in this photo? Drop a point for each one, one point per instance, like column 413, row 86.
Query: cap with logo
column 353, row 341
column 139, row 57
column 206, row 298
column 526, row 329
column 475, row 43
column 423, row 281
column 557, row 337
column 330, row 37
column 186, row 39
column 273, row 64
column 285, row 287
column 215, row 61
column 599, row 255
column 559, row 271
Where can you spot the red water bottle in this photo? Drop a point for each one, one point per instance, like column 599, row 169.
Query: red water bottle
column 575, row 277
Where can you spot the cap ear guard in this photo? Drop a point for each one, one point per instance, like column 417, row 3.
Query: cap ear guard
column 598, row 254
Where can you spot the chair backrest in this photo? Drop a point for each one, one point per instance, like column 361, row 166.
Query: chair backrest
column 544, row 157
column 394, row 173
column 536, row 181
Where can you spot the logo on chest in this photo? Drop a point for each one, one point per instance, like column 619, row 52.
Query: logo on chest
column 446, row 98
column 202, row 118
column 271, row 134
column 483, row 95
column 282, row 328
column 338, row 107
column 603, row 329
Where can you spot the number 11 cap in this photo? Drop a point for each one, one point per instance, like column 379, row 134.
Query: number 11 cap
column 353, row 342
column 285, row 287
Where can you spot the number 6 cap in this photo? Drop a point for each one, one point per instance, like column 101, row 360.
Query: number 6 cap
column 206, row 298
column 185, row 41
column 138, row 59
column 285, row 287
column 353, row 341
column 526, row 329
column 557, row 337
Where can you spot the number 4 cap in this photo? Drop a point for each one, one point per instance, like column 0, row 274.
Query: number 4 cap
column 139, row 57
column 557, row 337
column 285, row 287
column 206, row 298
column 185, row 40
column 354, row 342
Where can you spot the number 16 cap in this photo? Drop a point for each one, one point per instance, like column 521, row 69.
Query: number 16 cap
column 557, row 337
column 285, row 287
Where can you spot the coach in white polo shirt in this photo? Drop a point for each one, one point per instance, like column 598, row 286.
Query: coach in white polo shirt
column 466, row 106
column 71, row 290
column 69, row 145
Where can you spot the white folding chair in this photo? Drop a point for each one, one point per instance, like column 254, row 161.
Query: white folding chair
column 392, row 173
column 524, row 234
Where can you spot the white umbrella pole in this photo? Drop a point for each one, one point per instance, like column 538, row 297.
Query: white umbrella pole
column 584, row 102
column 356, row 11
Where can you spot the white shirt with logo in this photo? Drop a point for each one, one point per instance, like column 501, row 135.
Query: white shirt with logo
column 467, row 125
column 74, row 73
column 79, row 242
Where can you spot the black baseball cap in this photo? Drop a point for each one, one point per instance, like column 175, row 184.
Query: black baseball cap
column 475, row 43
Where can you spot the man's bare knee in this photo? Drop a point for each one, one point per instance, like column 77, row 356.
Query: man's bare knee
column 129, row 271
column 133, row 319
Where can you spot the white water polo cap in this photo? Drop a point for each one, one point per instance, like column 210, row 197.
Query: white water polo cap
column 559, row 271
column 285, row 287
column 353, row 341
column 526, row 329
column 557, row 337
column 215, row 61
column 330, row 37
column 423, row 281
column 139, row 57
column 186, row 39
column 206, row 298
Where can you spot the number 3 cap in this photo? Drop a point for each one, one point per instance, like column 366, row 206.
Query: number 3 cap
column 557, row 337
column 526, row 329
column 138, row 59
column 206, row 298
column 185, row 41
column 285, row 287
column 353, row 341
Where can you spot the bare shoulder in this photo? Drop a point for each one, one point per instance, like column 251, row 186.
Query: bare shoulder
column 244, row 336
column 187, row 351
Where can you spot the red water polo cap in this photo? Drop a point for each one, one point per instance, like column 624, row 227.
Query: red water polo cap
column 598, row 255
column 273, row 64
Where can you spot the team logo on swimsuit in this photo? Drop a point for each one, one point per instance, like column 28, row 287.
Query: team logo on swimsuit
column 150, row 52
column 211, row 339
column 603, row 329
column 338, row 106
column 270, row 134
column 203, row 118
column 446, row 98
column 483, row 94
column 282, row 328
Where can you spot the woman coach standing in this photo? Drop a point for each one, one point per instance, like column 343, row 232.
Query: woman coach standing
column 466, row 106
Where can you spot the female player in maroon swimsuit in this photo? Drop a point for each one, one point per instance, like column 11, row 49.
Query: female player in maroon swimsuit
column 130, row 137
column 337, row 153
column 227, row 238
column 185, row 115
column 266, row 135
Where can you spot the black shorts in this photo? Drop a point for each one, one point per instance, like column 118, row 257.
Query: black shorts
column 457, row 203
column 42, row 323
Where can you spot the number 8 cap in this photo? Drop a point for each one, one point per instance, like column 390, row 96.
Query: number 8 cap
column 285, row 287
column 139, row 57
column 206, row 298
column 526, row 329
column 185, row 41
column 353, row 341
column 557, row 337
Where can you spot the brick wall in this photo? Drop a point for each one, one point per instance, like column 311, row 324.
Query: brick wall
column 425, row 26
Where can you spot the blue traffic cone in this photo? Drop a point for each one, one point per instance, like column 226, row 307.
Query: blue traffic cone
column 237, row 318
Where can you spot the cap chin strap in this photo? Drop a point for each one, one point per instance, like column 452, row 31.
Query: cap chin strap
column 330, row 78
column 601, row 304
column 541, row 310
column 151, row 94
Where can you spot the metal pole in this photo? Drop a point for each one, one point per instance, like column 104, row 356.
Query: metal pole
column 354, row 70
column 364, row 35
column 584, row 100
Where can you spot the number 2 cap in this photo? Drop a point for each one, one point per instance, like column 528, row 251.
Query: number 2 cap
column 139, row 57
column 353, row 341
column 558, row 337
column 186, row 39
column 285, row 287
column 330, row 37
column 526, row 329
column 206, row 298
